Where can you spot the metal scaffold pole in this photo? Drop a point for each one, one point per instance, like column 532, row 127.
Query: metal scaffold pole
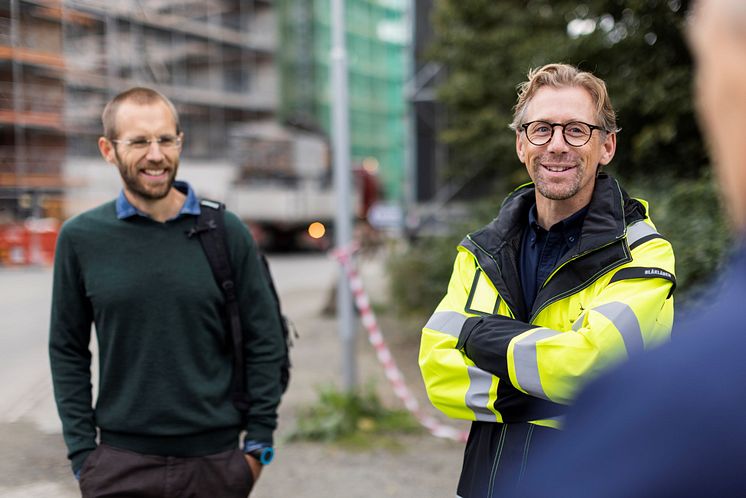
column 342, row 185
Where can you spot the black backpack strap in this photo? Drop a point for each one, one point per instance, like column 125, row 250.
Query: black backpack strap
column 285, row 324
column 210, row 228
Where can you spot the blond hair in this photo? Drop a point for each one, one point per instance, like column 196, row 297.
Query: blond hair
column 137, row 95
column 565, row 75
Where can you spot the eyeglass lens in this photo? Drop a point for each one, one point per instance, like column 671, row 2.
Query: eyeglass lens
column 164, row 141
column 576, row 133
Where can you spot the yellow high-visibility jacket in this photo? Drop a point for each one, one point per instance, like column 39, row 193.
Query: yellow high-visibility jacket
column 486, row 356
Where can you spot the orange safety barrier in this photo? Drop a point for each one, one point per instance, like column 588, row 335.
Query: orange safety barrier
column 30, row 243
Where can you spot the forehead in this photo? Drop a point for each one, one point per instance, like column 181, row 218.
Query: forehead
column 561, row 104
column 150, row 118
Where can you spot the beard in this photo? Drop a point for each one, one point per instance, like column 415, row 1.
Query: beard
column 135, row 185
column 557, row 189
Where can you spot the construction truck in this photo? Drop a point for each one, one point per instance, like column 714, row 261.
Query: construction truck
column 283, row 188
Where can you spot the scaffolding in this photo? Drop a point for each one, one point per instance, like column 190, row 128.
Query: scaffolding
column 61, row 60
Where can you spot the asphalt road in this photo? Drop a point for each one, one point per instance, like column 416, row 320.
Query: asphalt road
column 32, row 454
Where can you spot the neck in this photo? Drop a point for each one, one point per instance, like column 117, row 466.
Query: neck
column 161, row 209
column 549, row 212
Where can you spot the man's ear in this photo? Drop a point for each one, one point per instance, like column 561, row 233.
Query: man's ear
column 520, row 148
column 107, row 150
column 609, row 149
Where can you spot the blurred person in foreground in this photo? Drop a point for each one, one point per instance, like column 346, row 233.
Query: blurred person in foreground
column 166, row 422
column 570, row 278
column 671, row 424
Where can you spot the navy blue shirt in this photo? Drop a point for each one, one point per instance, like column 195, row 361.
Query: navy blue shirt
column 541, row 250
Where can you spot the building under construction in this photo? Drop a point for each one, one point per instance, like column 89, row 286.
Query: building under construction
column 60, row 61
column 242, row 73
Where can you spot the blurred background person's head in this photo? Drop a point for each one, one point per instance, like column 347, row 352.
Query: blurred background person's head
column 718, row 41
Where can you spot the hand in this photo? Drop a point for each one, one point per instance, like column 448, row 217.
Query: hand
column 254, row 465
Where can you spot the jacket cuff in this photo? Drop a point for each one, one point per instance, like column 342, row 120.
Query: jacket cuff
column 466, row 329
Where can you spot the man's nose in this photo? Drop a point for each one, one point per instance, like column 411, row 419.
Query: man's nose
column 557, row 142
column 154, row 151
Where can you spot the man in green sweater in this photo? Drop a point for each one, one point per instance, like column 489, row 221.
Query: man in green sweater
column 165, row 421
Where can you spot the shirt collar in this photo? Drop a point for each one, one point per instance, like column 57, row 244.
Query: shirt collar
column 570, row 227
column 191, row 205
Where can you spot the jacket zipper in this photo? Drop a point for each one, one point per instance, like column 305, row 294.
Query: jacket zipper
column 496, row 461
column 569, row 292
column 587, row 282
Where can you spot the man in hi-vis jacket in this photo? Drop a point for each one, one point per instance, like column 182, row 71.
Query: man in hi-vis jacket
column 570, row 278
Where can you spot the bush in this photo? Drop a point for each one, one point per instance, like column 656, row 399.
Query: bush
column 419, row 274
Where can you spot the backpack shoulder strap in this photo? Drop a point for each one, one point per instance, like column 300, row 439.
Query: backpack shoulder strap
column 285, row 324
column 210, row 228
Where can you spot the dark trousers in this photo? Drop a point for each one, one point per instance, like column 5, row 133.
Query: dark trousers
column 115, row 473
column 496, row 457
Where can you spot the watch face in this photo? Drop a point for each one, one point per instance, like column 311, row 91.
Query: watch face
column 264, row 455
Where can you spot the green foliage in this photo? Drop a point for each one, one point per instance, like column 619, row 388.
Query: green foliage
column 636, row 46
column 419, row 272
column 356, row 419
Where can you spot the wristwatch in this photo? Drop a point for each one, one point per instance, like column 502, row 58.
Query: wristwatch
column 263, row 452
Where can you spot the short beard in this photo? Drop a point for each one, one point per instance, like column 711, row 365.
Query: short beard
column 545, row 188
column 133, row 186
column 557, row 196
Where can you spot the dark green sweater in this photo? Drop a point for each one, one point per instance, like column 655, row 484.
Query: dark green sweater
column 164, row 356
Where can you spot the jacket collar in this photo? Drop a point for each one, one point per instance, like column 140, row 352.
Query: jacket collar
column 604, row 222
column 497, row 246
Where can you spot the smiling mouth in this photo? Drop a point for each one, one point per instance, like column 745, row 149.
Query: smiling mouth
column 153, row 172
column 557, row 168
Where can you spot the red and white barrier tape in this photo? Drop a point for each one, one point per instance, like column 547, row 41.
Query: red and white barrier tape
column 393, row 374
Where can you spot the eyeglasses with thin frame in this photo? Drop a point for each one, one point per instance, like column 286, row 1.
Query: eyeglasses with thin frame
column 575, row 133
column 142, row 143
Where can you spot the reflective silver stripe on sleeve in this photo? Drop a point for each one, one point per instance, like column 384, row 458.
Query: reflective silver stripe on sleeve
column 448, row 322
column 625, row 321
column 578, row 323
column 478, row 394
column 526, row 364
column 638, row 230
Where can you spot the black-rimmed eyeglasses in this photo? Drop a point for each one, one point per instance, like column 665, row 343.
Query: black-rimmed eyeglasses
column 141, row 143
column 575, row 133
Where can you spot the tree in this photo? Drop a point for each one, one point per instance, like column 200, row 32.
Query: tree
column 637, row 47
